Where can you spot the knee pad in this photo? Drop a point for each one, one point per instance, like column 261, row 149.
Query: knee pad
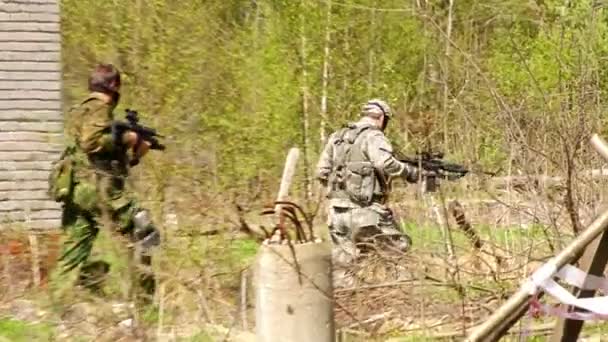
column 403, row 242
column 144, row 232
column 142, row 219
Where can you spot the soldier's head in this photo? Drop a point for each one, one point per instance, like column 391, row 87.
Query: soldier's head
column 105, row 78
column 378, row 110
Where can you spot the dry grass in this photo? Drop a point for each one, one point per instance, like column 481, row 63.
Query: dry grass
column 431, row 291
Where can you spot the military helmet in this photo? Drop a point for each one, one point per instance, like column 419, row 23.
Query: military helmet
column 376, row 106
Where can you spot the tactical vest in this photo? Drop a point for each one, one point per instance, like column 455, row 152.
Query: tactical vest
column 353, row 175
column 113, row 163
column 74, row 164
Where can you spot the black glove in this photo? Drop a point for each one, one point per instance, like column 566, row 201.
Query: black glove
column 323, row 181
column 415, row 173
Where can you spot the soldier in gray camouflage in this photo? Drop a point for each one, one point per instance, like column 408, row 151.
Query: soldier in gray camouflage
column 356, row 166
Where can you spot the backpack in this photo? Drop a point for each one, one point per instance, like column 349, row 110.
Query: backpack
column 61, row 178
column 354, row 173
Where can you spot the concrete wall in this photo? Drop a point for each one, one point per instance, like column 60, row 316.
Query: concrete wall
column 30, row 110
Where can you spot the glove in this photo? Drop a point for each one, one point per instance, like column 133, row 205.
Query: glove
column 414, row 174
column 323, row 181
column 428, row 173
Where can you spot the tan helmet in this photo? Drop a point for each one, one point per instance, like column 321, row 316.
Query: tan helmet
column 376, row 106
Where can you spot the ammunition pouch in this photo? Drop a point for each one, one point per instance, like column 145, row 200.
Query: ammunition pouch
column 112, row 166
column 61, row 177
column 100, row 163
column 360, row 182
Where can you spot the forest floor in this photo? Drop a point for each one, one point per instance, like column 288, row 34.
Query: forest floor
column 438, row 291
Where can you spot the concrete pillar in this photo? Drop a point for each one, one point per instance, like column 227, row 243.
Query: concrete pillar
column 294, row 306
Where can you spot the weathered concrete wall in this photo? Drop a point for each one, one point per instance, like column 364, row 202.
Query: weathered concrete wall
column 30, row 110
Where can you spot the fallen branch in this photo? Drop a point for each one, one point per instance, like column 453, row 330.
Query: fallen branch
column 372, row 319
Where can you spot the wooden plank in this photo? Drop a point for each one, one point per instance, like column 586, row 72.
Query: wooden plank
column 29, row 2
column 12, row 216
column 50, row 224
column 44, row 224
column 29, row 56
column 31, row 185
column 28, row 7
column 27, row 156
column 9, row 146
column 28, row 205
column 30, row 17
column 42, row 165
column 593, row 262
column 54, row 85
column 30, row 94
column 8, row 26
column 30, row 66
column 56, row 138
column 23, row 175
column 32, row 37
column 30, row 115
column 38, row 47
column 27, row 105
column 14, row 126
column 23, row 195
column 31, row 75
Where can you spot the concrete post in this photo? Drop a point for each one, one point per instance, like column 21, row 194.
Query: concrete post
column 293, row 282
column 294, row 294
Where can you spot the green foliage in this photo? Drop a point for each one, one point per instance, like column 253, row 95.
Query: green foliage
column 243, row 250
column 199, row 337
column 17, row 331
column 226, row 79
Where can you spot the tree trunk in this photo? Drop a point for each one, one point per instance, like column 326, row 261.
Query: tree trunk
column 325, row 77
column 446, row 74
column 305, row 116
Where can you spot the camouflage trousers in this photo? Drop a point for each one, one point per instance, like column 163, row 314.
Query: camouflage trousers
column 101, row 206
column 358, row 230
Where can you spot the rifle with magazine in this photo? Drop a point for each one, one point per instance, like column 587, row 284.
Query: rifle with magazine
column 433, row 162
column 144, row 133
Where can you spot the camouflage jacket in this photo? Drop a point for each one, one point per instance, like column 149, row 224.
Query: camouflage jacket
column 369, row 146
column 90, row 129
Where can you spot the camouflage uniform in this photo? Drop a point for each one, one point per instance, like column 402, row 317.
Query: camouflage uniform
column 356, row 165
column 99, row 198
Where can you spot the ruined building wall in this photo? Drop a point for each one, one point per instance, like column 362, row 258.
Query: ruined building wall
column 30, row 110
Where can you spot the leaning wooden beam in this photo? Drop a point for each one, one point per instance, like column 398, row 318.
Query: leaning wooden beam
column 520, row 300
column 521, row 297
column 287, row 178
column 593, row 262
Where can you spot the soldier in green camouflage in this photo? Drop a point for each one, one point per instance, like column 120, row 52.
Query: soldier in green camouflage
column 356, row 166
column 99, row 199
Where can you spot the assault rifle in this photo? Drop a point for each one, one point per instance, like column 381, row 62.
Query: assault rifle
column 433, row 161
column 144, row 133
